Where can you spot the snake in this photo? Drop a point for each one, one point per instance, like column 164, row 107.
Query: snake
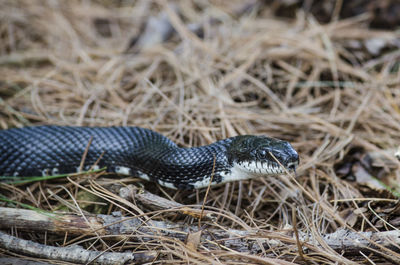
column 134, row 151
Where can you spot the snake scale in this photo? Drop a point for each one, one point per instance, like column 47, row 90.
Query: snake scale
column 135, row 151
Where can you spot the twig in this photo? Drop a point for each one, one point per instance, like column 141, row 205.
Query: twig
column 156, row 202
column 85, row 154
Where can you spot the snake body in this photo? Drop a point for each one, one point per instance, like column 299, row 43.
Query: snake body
column 135, row 151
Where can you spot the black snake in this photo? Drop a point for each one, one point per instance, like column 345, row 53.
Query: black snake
column 52, row 150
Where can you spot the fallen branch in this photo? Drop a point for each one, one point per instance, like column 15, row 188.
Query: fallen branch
column 243, row 241
column 156, row 202
column 75, row 254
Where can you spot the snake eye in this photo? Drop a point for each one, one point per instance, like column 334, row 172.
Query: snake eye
column 262, row 154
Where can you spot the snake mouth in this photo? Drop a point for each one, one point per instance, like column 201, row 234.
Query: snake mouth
column 265, row 168
column 291, row 166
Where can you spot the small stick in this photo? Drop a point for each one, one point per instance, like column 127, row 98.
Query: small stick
column 156, row 202
column 296, row 233
column 85, row 154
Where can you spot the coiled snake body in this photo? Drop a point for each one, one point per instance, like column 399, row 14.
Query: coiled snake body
column 52, row 150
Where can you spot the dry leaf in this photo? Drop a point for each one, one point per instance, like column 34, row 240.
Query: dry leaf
column 193, row 240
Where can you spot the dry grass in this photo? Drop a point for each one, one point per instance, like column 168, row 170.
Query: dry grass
column 294, row 79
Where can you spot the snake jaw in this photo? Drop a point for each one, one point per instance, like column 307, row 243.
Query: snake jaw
column 259, row 168
column 292, row 165
column 242, row 170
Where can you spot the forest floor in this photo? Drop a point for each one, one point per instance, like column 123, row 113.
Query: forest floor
column 198, row 72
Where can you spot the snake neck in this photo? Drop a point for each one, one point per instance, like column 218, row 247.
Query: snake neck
column 184, row 168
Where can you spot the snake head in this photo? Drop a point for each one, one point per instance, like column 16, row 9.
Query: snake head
column 259, row 155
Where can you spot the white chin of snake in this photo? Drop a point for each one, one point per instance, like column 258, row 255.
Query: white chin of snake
column 247, row 170
column 259, row 168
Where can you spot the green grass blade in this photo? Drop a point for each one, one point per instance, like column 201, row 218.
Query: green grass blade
column 27, row 206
